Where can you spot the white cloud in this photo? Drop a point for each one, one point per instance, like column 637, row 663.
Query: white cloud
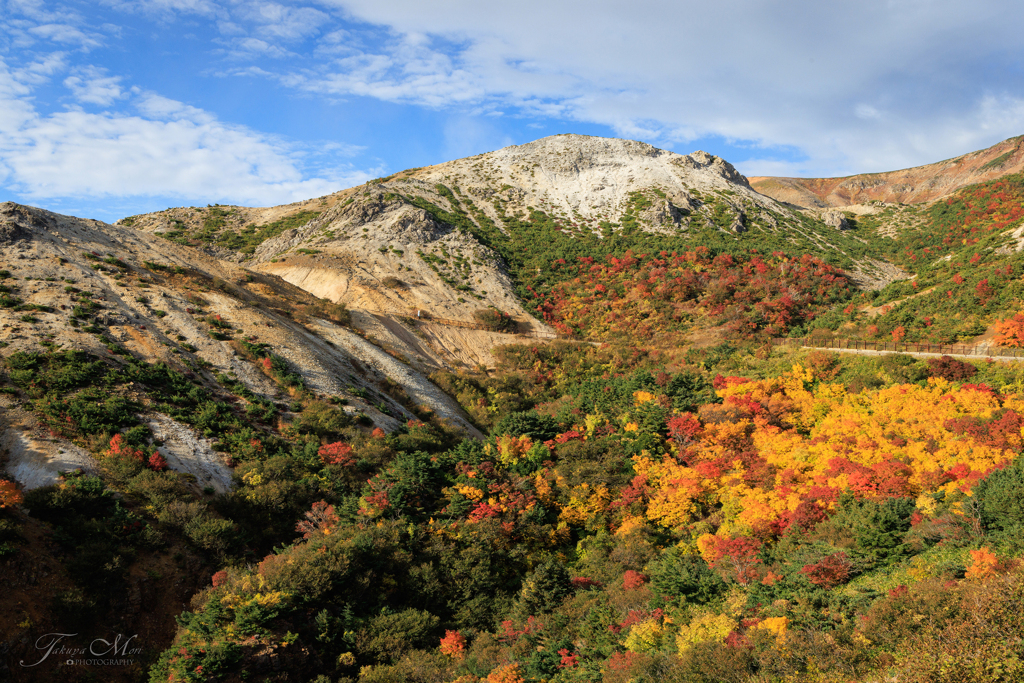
column 866, row 111
column 25, row 24
column 167, row 149
column 167, row 9
column 91, row 85
column 63, row 33
column 245, row 48
column 37, row 12
column 844, row 87
column 156, row 106
column 283, row 22
column 791, row 75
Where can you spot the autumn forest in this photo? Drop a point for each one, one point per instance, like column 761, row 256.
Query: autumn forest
column 663, row 493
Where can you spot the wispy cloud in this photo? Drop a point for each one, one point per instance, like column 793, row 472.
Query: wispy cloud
column 91, row 85
column 249, row 48
column 26, row 23
column 168, row 9
column 272, row 20
column 801, row 87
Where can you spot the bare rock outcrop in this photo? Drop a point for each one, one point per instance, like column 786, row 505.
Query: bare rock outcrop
column 835, row 219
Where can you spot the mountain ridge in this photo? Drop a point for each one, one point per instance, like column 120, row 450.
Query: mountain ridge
column 914, row 185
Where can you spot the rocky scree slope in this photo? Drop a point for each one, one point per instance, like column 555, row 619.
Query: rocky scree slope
column 117, row 293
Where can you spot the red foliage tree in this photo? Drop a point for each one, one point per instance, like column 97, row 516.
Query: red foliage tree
column 633, row 580
column 320, row 519
column 570, row 660
column 830, row 572
column 454, row 645
column 736, row 557
column 1010, row 332
column 337, row 453
column 9, row 494
column 950, row 369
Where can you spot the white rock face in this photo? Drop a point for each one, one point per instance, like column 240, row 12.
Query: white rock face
column 34, row 461
column 592, row 176
column 835, row 219
column 186, row 451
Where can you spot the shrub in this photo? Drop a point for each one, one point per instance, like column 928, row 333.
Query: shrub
column 528, row 423
column 633, row 580
column 322, row 420
column 950, row 369
column 9, row 494
column 1000, row 498
column 824, row 364
column 543, row 590
column 496, row 320
column 209, row 533
column 338, row 453
column 830, row 572
column 388, row 636
column 685, row 578
column 903, row 368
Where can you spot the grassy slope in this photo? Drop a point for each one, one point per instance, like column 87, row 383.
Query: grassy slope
column 967, row 268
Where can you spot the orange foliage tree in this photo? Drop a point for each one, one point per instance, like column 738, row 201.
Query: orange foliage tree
column 1010, row 332
column 984, row 564
column 9, row 494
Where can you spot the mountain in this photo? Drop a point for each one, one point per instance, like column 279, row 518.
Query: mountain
column 909, row 186
column 512, row 417
column 112, row 292
column 487, row 232
column 344, row 290
column 365, row 292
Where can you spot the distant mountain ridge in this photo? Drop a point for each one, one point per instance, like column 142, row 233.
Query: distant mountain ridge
column 907, row 186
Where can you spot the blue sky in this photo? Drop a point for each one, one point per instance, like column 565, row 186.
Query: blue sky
column 115, row 107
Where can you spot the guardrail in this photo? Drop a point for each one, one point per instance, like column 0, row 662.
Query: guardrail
column 983, row 350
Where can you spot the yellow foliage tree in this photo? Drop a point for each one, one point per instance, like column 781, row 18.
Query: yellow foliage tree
column 586, row 504
column 644, row 637
column 675, row 489
column 776, row 626
column 707, row 628
column 512, row 449
column 506, row 673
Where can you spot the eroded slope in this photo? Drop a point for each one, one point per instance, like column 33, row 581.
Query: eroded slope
column 120, row 294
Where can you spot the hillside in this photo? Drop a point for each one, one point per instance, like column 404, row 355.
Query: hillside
column 908, row 186
column 469, row 229
column 115, row 293
column 514, row 418
column 962, row 260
